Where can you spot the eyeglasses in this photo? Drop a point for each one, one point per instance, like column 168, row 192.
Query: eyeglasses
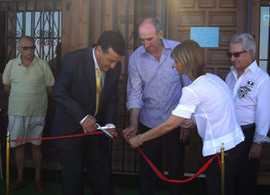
column 27, row 48
column 235, row 54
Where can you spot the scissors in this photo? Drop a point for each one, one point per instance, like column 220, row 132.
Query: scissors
column 104, row 129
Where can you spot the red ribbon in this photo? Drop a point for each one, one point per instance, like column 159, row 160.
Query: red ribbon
column 59, row 137
column 162, row 177
column 159, row 174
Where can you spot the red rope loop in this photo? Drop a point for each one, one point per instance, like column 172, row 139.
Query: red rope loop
column 159, row 174
column 162, row 177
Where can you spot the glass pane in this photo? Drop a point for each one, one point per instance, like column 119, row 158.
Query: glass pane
column 264, row 38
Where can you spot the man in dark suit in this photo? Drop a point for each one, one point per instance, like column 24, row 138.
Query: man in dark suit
column 77, row 112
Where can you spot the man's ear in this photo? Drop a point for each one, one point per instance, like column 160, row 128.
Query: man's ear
column 250, row 52
column 160, row 34
column 99, row 49
column 18, row 49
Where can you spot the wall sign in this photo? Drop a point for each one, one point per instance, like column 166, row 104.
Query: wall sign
column 205, row 36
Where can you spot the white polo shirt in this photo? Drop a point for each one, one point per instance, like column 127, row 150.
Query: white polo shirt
column 209, row 102
column 251, row 93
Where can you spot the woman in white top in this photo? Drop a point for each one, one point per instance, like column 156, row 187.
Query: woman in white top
column 208, row 102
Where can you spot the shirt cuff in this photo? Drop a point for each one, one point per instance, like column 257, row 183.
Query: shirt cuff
column 258, row 138
column 83, row 119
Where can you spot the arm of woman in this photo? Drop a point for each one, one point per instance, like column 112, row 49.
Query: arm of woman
column 171, row 123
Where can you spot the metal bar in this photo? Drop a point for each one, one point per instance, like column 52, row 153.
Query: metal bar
column 15, row 29
column 24, row 19
column 60, row 24
column 53, row 50
column 33, row 19
column 59, row 30
column 42, row 31
column 152, row 9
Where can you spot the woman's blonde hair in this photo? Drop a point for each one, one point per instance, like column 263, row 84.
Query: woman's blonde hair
column 190, row 55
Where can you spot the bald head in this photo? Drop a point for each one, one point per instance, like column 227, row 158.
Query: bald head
column 26, row 48
column 151, row 36
column 151, row 22
column 26, row 38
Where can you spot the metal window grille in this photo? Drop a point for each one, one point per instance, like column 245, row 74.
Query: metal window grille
column 38, row 19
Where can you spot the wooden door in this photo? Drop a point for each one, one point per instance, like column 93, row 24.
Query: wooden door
column 228, row 15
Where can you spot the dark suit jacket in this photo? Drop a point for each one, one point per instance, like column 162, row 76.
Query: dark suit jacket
column 75, row 94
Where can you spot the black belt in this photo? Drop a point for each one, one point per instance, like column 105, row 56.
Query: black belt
column 249, row 126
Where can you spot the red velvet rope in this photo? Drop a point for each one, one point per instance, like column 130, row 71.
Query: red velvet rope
column 162, row 177
column 159, row 174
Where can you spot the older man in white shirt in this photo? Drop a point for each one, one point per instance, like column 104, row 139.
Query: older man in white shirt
column 251, row 91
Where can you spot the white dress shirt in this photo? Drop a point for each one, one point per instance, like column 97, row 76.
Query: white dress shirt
column 251, row 92
column 96, row 68
column 209, row 102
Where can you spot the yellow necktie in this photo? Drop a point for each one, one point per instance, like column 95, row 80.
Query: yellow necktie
column 99, row 89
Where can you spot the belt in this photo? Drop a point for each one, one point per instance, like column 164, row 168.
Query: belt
column 249, row 126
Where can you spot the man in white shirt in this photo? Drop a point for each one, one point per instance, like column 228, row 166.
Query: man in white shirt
column 251, row 91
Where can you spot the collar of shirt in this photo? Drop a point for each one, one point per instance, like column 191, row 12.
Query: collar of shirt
column 166, row 46
column 251, row 67
column 20, row 60
column 95, row 60
column 96, row 67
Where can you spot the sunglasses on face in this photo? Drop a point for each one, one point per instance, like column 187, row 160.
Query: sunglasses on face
column 27, row 48
column 235, row 54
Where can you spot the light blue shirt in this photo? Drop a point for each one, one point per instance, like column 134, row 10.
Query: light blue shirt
column 154, row 86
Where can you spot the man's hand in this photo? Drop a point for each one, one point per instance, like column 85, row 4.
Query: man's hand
column 255, row 151
column 129, row 132
column 184, row 134
column 89, row 124
column 133, row 127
